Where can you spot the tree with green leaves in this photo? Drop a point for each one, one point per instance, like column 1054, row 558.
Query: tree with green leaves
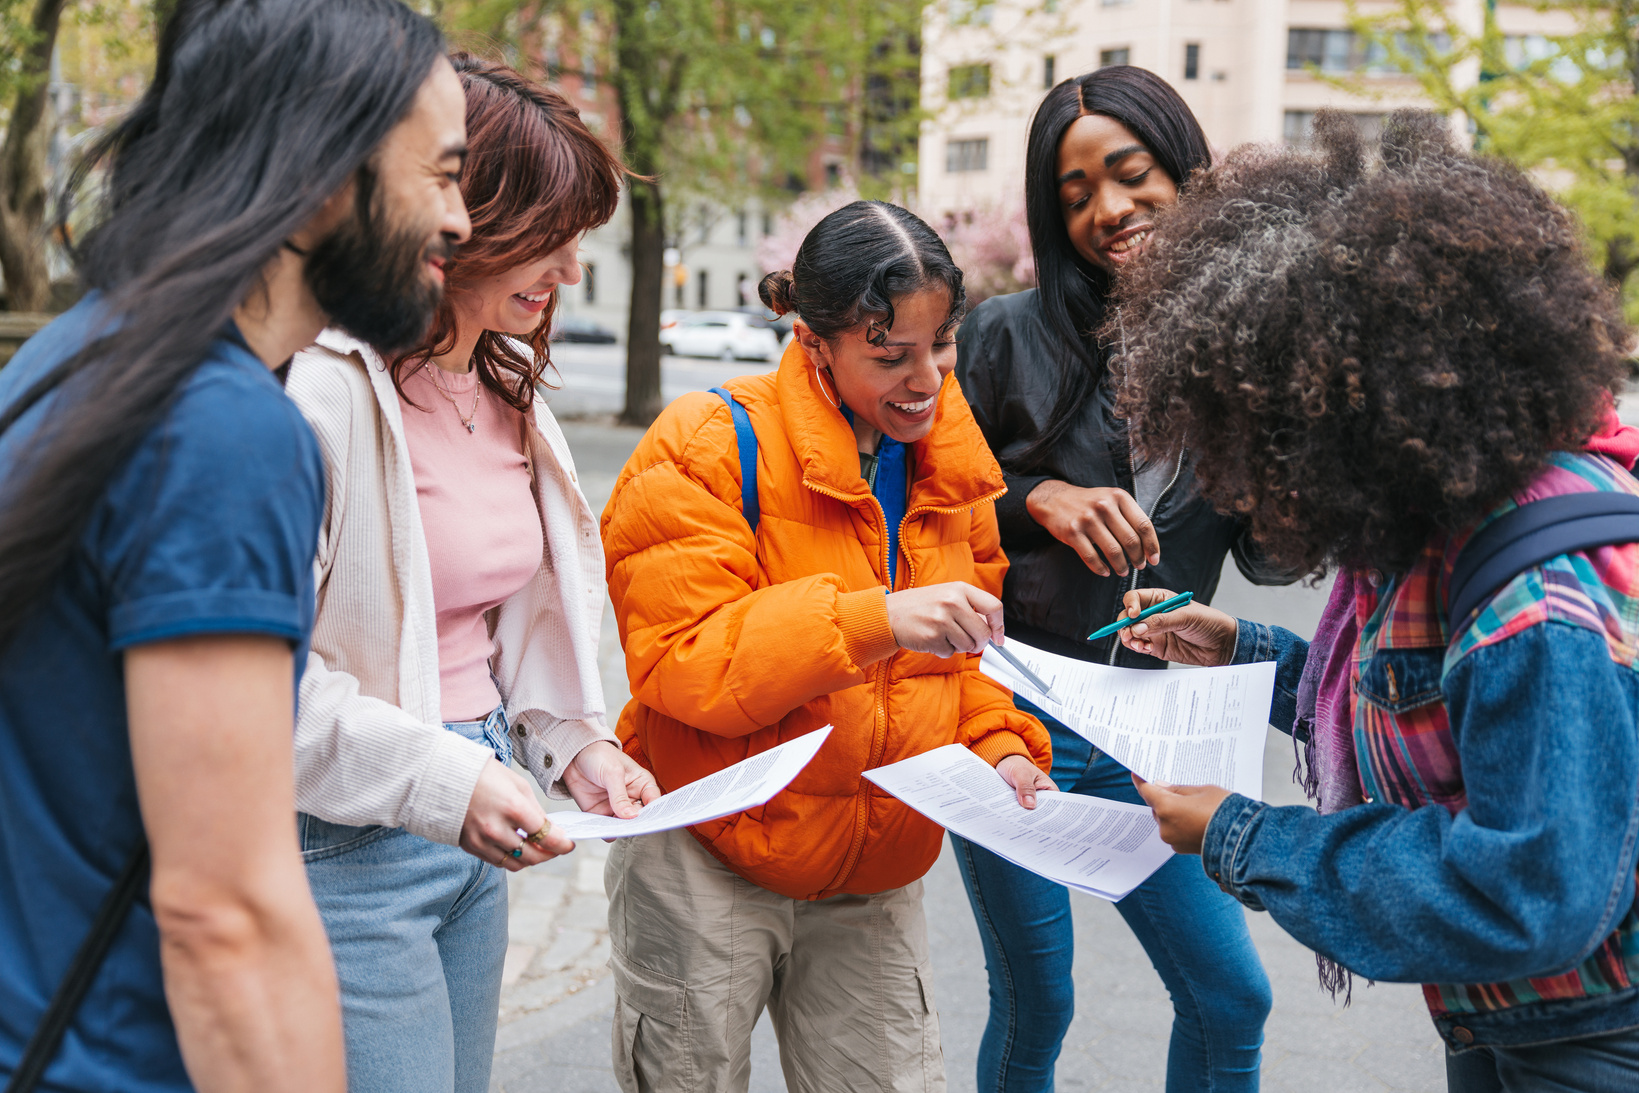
column 109, row 38
column 722, row 99
column 1566, row 106
column 29, row 36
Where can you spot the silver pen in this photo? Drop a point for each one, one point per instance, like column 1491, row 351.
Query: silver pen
column 1035, row 680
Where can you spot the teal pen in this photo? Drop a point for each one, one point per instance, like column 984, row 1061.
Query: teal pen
column 1164, row 606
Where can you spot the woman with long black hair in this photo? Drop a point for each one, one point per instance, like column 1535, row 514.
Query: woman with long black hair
column 1083, row 522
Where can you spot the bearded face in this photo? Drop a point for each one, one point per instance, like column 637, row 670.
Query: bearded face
column 372, row 275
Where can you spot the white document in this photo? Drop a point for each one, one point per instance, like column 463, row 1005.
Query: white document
column 746, row 784
column 1189, row 727
column 1104, row 848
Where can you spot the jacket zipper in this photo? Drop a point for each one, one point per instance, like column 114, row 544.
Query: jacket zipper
column 879, row 730
column 1155, row 506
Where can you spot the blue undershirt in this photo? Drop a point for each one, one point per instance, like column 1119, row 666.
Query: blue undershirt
column 891, row 487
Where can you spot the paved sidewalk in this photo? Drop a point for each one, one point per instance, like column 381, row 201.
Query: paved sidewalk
column 558, row 997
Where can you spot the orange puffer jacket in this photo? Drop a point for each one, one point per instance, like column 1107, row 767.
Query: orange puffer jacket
column 735, row 644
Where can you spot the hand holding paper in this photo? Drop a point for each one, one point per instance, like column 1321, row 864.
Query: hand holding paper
column 1103, row 848
column 746, row 784
column 1182, row 811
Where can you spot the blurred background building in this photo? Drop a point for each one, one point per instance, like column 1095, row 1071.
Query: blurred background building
column 1251, row 70
column 759, row 124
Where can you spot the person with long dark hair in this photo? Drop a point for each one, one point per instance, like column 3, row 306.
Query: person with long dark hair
column 160, row 500
column 1084, row 521
column 460, row 602
column 842, row 571
column 1394, row 357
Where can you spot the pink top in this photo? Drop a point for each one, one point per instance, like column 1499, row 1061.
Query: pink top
column 478, row 513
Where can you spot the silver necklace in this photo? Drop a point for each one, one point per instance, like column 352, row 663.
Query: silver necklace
column 468, row 418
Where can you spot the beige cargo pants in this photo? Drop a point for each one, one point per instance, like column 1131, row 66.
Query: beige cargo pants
column 698, row 952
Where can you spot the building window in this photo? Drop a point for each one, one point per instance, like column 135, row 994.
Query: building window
column 1300, row 124
column 1048, row 64
column 970, row 82
column 768, row 223
column 1108, row 57
column 833, row 175
column 743, row 291
column 967, row 155
column 1346, row 51
column 1296, row 128
column 971, row 13
column 700, row 289
column 588, row 74
column 1327, row 50
column 1192, row 60
column 741, row 227
column 589, row 278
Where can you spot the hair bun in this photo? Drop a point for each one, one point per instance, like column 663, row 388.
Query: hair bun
column 778, row 292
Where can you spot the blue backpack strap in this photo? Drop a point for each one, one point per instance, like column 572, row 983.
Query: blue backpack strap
column 1532, row 534
column 746, row 439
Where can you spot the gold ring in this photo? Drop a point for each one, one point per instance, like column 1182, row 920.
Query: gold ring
column 540, row 836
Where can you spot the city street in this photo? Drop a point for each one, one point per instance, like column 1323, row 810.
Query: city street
column 556, row 1005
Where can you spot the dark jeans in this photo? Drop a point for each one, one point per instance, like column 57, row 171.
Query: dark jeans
column 1595, row 1064
column 1194, row 934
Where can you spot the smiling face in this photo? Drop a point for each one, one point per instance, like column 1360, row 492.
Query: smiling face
column 1110, row 186
column 513, row 302
column 892, row 388
column 379, row 272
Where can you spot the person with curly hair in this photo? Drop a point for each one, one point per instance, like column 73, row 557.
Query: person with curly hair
column 1083, row 522
column 1375, row 360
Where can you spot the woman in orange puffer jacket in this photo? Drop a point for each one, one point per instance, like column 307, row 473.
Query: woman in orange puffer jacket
column 861, row 600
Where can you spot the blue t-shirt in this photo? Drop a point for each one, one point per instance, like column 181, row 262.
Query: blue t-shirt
column 891, row 488
column 209, row 527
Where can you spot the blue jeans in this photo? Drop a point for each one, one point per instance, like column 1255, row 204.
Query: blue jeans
column 1194, row 934
column 419, row 935
column 1593, row 1064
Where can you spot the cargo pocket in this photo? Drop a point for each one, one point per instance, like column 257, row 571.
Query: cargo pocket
column 933, row 1055
column 651, row 1030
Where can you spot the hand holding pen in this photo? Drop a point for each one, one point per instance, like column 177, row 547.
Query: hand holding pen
column 1192, row 633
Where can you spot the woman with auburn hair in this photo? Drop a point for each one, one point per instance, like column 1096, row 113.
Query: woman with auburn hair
column 460, row 599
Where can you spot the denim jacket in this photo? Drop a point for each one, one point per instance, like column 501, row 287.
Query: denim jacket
column 1504, row 879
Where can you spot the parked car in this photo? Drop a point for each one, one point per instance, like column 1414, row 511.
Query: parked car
column 576, row 328
column 780, row 324
column 670, row 319
column 728, row 335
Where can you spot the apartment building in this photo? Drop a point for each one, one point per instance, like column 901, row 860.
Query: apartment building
column 1242, row 65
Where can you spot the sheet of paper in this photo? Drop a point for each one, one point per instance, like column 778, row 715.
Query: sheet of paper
column 746, row 784
column 1104, row 848
column 1191, row 726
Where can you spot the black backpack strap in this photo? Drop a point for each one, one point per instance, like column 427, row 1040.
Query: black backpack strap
column 1532, row 534
column 746, row 439
column 48, row 1034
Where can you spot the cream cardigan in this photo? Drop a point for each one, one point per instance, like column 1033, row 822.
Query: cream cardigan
column 370, row 747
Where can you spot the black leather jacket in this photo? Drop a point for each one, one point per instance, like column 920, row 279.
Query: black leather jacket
column 1006, row 363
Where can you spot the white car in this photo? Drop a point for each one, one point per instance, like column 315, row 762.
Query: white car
column 727, row 335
